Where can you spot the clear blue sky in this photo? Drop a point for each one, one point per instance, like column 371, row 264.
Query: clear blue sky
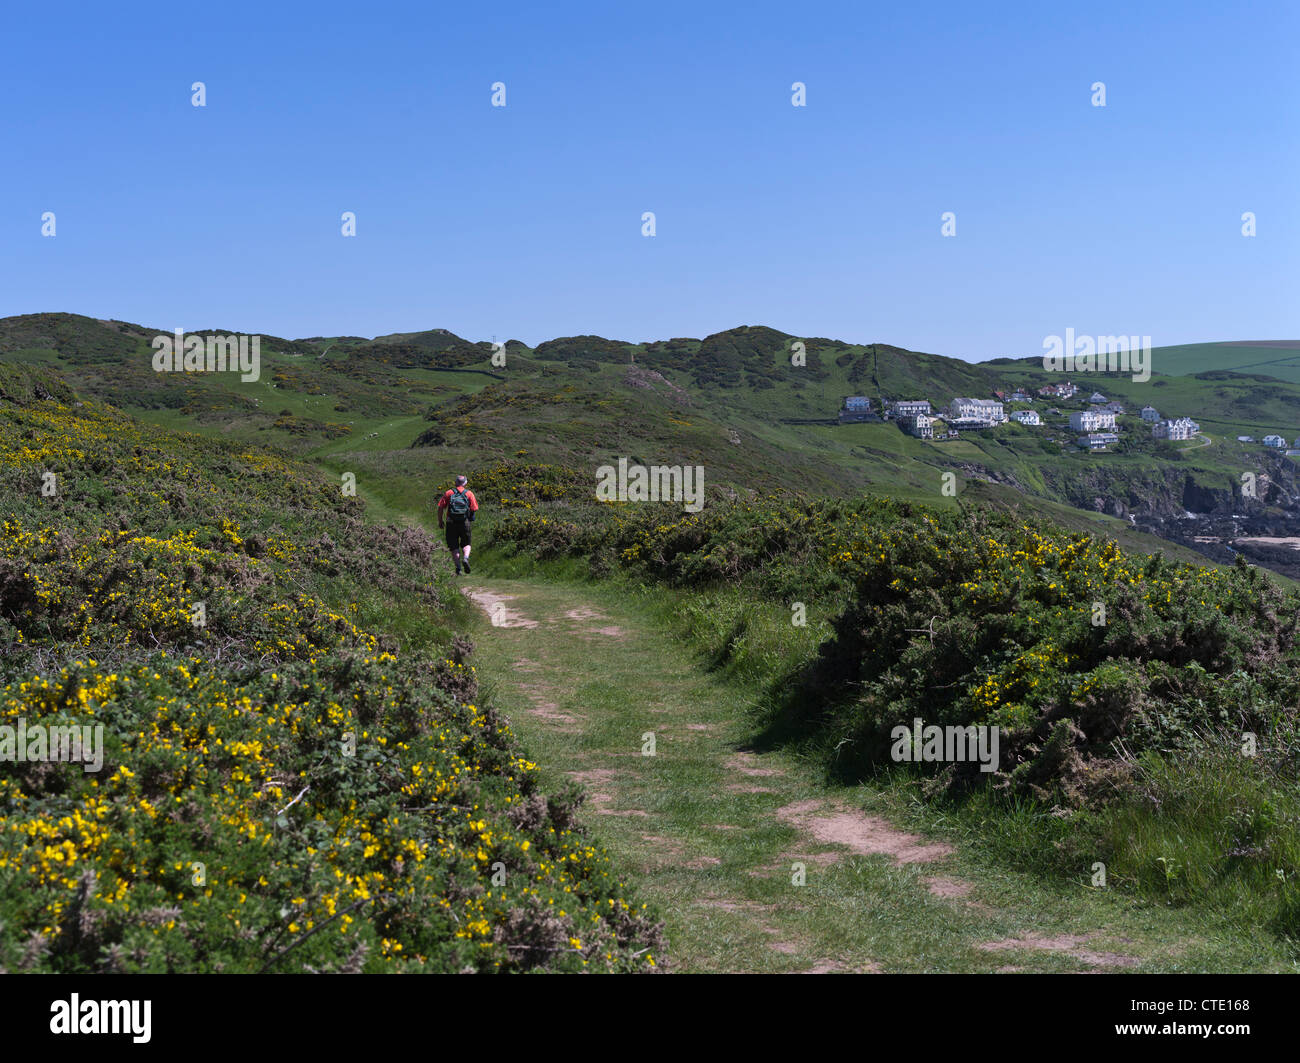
column 525, row 221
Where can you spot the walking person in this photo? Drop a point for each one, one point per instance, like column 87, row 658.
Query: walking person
column 456, row 509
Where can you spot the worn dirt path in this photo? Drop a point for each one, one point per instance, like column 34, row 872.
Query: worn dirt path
column 753, row 862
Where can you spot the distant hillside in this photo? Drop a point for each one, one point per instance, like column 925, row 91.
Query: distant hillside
column 1276, row 359
column 1258, row 359
column 757, row 407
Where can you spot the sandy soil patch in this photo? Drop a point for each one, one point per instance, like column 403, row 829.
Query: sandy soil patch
column 860, row 833
column 667, row 845
column 702, row 862
column 595, row 781
column 549, row 711
column 786, row 866
column 1069, row 944
column 948, row 887
column 545, row 709
column 835, row 967
column 495, row 606
column 583, row 613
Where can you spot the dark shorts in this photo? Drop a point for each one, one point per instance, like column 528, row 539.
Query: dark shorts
column 457, row 534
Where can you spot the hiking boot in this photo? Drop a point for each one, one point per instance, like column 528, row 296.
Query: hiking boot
column 467, row 566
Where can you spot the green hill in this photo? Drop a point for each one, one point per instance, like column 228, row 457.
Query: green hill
column 755, row 406
column 1273, row 359
column 975, row 604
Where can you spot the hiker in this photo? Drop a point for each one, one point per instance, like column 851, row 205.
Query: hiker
column 456, row 509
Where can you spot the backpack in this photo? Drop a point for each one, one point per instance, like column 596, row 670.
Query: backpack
column 458, row 505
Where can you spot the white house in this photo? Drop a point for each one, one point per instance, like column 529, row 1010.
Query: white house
column 1091, row 420
column 857, row 402
column 989, row 411
column 1251, row 439
column 919, row 425
column 1027, row 417
column 1274, row 441
column 1180, row 428
column 1150, row 414
column 1097, row 440
column 910, row 407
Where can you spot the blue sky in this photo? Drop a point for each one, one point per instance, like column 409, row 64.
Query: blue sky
column 525, row 221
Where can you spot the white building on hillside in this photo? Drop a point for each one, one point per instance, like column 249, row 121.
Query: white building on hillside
column 1181, row 428
column 989, row 411
column 1150, row 414
column 920, row 425
column 1274, row 441
column 1027, row 417
column 1091, row 420
column 909, row 407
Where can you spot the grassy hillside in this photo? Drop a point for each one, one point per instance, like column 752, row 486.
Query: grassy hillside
column 404, row 411
column 1276, row 359
column 966, row 607
column 298, row 770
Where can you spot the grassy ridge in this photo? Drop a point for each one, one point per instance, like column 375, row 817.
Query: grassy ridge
column 301, row 776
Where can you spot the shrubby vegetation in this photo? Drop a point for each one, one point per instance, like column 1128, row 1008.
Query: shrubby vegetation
column 1125, row 687
column 756, row 356
column 308, row 781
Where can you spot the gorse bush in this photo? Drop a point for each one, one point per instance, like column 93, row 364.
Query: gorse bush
column 285, row 786
column 1147, row 710
column 970, row 617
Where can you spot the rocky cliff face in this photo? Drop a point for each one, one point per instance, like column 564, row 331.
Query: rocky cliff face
column 1172, row 493
column 1203, row 509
